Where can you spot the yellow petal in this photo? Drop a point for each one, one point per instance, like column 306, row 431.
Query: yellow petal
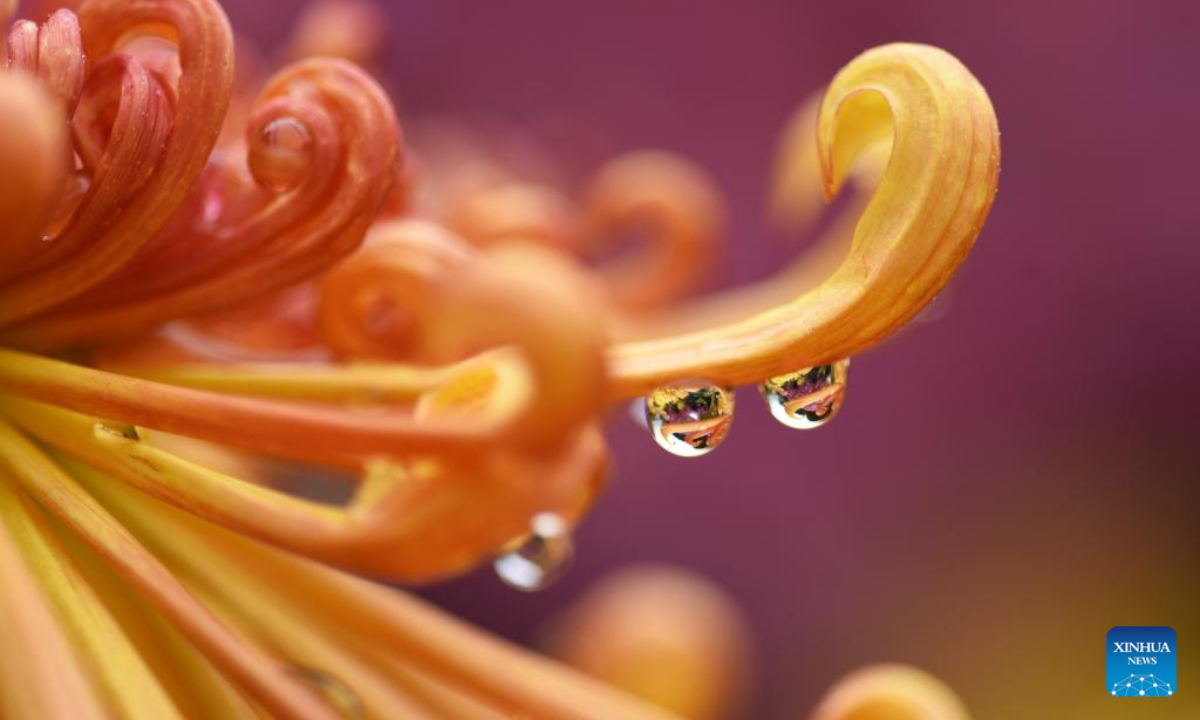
column 930, row 206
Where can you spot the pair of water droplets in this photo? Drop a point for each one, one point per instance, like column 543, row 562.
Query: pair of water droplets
column 691, row 418
column 688, row 419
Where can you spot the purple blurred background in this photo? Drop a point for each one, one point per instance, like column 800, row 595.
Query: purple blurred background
column 1004, row 484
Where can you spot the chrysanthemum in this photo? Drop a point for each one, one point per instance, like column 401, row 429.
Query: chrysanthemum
column 208, row 287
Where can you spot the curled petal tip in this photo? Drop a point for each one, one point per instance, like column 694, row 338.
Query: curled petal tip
column 325, row 143
column 151, row 153
column 372, row 304
column 52, row 52
column 676, row 205
column 918, row 93
column 60, row 57
column 923, row 218
column 528, row 297
column 22, row 46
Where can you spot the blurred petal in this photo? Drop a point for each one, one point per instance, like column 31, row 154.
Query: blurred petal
column 890, row 692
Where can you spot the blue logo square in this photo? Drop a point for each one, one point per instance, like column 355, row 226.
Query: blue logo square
column 1141, row 662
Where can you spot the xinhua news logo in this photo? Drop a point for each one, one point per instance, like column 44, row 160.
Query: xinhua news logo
column 1141, row 662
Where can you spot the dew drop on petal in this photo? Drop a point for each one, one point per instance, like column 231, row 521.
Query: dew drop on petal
column 689, row 419
column 807, row 398
column 116, row 428
column 280, row 154
column 334, row 690
column 539, row 559
column 637, row 412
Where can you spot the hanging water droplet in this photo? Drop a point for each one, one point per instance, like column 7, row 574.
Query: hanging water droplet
column 540, row 558
column 637, row 412
column 807, row 398
column 337, row 692
column 689, row 419
column 280, row 154
column 114, row 427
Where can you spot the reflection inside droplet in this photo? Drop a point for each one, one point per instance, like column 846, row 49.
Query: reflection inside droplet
column 689, row 419
column 539, row 559
column 280, row 154
column 807, row 398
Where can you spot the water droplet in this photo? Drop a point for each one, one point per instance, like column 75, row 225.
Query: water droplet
column 539, row 559
column 114, row 427
column 280, row 154
column 807, row 398
column 334, row 690
column 637, row 412
column 689, row 419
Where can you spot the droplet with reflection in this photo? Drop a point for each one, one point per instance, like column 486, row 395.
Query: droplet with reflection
column 637, row 412
column 117, row 428
column 689, row 419
column 280, row 154
column 807, row 398
column 333, row 689
column 539, row 559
